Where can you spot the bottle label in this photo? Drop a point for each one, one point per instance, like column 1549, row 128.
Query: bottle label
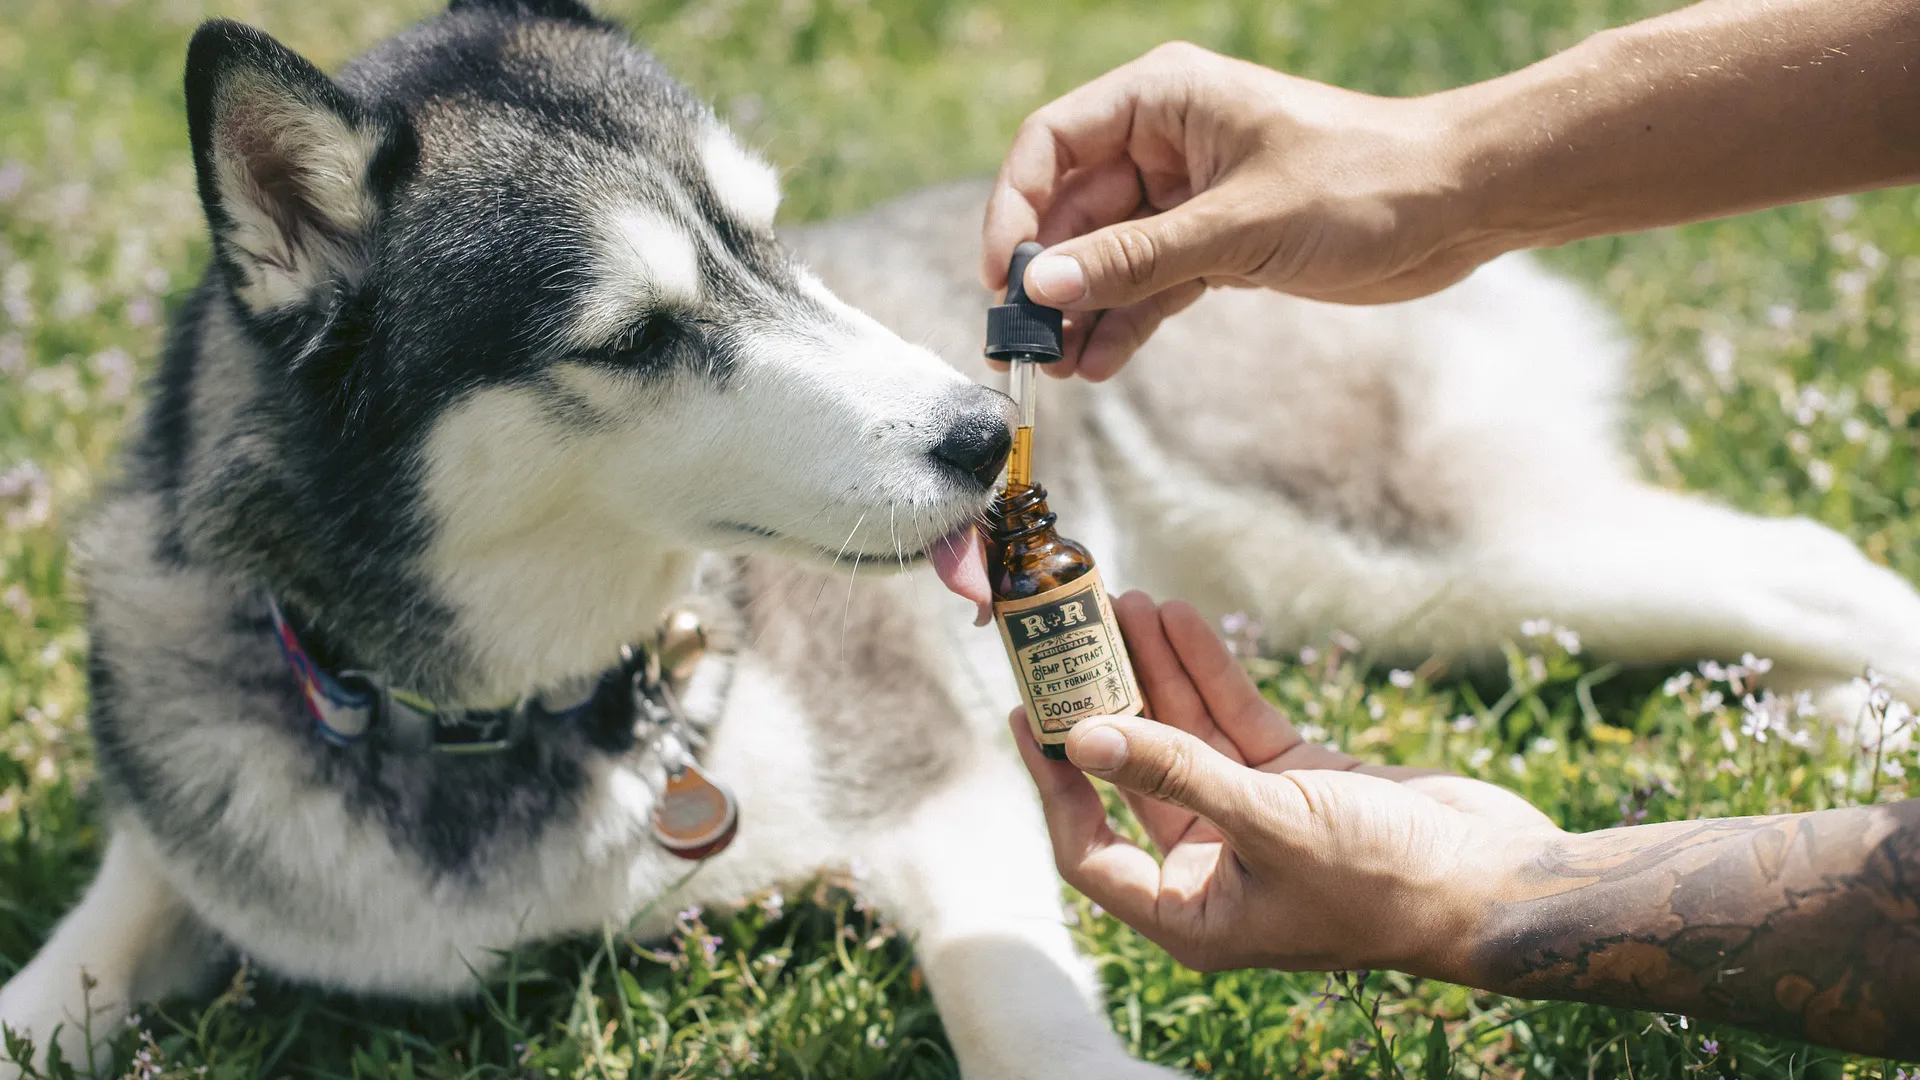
column 1069, row 657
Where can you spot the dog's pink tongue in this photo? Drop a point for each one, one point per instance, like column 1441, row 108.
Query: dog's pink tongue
column 961, row 562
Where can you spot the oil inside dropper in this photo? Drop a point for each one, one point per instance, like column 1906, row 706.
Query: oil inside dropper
column 1020, row 459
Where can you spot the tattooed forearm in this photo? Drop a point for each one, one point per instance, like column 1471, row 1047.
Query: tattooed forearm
column 1805, row 925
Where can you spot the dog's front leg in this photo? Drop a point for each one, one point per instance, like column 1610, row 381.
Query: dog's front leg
column 132, row 939
column 969, row 876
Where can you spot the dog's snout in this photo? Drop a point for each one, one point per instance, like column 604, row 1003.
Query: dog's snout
column 981, row 432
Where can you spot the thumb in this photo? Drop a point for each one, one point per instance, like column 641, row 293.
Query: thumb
column 1164, row 763
column 1132, row 260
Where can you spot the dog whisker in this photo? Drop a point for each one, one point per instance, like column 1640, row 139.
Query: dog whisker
column 847, row 610
column 828, row 578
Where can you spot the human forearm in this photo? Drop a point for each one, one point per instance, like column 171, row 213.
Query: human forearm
column 1718, row 108
column 1806, row 925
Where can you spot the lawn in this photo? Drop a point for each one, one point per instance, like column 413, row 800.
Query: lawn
column 1778, row 368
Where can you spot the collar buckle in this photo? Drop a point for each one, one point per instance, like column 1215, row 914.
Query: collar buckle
column 414, row 725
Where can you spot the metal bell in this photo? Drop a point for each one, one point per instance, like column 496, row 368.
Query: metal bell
column 682, row 643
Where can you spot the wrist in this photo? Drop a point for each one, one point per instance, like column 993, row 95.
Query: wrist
column 1475, row 225
column 1509, row 154
column 1468, row 927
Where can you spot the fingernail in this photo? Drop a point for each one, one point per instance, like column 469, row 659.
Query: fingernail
column 1057, row 279
column 1099, row 749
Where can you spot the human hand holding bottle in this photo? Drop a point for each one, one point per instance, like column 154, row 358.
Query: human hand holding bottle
column 1276, row 852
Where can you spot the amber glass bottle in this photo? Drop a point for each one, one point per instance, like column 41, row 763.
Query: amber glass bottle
column 1052, row 610
column 1055, row 620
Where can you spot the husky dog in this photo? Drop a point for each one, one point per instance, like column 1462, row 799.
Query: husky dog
column 499, row 357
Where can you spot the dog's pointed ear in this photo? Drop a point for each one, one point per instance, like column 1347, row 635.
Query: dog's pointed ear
column 290, row 169
column 569, row 10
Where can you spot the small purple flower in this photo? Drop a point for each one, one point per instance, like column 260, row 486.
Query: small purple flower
column 114, row 368
column 1898, row 715
column 13, row 177
column 1331, row 992
column 1710, row 1047
column 141, row 311
column 1242, row 632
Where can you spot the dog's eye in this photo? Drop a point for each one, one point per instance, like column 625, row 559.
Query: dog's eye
column 643, row 342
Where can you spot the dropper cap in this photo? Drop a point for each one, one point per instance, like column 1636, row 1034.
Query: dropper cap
column 1021, row 329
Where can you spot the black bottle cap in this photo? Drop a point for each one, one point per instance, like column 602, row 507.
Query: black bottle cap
column 1020, row 329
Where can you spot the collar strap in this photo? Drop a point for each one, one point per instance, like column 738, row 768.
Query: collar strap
column 350, row 705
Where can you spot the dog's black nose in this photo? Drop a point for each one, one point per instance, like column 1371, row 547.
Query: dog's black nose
column 980, row 434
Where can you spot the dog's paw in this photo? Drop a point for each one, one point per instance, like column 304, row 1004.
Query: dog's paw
column 1130, row 1069
column 41, row 1011
column 1105, row 1066
column 1126, row 1068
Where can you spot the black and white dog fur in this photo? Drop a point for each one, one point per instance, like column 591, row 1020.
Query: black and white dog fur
column 499, row 356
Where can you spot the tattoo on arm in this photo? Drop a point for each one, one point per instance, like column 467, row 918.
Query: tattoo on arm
column 1805, row 925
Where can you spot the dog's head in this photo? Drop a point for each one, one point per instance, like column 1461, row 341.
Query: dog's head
column 532, row 331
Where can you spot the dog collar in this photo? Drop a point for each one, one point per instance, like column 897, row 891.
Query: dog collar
column 693, row 816
column 349, row 705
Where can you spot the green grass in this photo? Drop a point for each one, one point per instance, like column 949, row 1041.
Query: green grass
column 1777, row 368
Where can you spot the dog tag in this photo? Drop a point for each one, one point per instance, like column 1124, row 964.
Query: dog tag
column 694, row 817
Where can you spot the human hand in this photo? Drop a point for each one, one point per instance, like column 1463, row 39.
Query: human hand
column 1185, row 169
column 1275, row 852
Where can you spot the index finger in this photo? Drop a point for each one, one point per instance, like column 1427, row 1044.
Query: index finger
column 1172, row 696
column 1091, row 857
column 1085, row 127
